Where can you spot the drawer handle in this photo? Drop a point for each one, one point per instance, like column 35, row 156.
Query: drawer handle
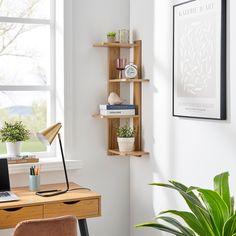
column 71, row 203
column 13, row 209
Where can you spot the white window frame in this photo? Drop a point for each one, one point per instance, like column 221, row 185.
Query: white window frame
column 51, row 88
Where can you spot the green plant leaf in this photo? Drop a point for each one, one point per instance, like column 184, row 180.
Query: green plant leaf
column 161, row 227
column 232, row 206
column 190, row 220
column 216, row 206
column 212, row 210
column 229, row 228
column 186, row 231
column 14, row 132
column 196, row 207
column 189, row 191
column 221, row 186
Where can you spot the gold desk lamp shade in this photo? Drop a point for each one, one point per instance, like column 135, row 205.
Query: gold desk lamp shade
column 47, row 135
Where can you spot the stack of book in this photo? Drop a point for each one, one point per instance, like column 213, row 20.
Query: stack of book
column 120, row 109
column 24, row 157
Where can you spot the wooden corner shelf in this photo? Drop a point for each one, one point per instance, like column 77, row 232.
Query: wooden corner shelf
column 133, row 153
column 114, row 85
column 128, row 80
column 98, row 116
column 115, row 45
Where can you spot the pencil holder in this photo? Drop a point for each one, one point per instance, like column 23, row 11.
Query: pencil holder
column 34, row 182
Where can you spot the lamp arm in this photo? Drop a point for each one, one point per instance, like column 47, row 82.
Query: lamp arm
column 63, row 161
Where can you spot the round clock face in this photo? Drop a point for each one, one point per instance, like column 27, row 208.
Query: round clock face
column 131, row 71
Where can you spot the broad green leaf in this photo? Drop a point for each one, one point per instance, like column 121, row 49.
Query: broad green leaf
column 161, row 227
column 196, row 207
column 191, row 188
column 199, row 210
column 216, row 206
column 190, row 220
column 186, row 231
column 182, row 190
column 232, row 206
column 221, row 186
column 187, row 190
column 230, row 226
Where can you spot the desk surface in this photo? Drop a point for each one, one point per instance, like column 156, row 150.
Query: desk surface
column 28, row 198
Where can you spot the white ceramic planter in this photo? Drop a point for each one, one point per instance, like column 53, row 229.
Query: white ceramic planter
column 111, row 39
column 126, row 144
column 13, row 149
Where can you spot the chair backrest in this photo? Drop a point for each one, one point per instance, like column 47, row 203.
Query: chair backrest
column 60, row 226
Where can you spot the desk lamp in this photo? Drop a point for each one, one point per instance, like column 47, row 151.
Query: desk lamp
column 47, row 136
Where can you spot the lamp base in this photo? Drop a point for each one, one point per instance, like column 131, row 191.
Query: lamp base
column 51, row 192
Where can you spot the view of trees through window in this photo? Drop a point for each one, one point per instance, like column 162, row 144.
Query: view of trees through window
column 25, row 62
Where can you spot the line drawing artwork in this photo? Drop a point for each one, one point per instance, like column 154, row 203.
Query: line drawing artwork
column 199, row 59
column 196, row 67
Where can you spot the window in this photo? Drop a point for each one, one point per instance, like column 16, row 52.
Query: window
column 27, row 60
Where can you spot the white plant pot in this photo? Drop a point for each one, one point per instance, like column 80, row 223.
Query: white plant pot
column 126, row 144
column 13, row 149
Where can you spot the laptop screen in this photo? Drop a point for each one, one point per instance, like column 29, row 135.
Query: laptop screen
column 4, row 175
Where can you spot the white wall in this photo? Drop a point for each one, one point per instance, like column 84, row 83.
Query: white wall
column 188, row 150
column 106, row 175
column 87, row 22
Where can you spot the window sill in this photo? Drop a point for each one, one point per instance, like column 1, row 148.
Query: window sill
column 46, row 165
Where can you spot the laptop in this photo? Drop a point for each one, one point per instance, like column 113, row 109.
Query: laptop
column 5, row 194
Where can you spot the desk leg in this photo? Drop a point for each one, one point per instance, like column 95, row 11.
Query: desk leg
column 83, row 227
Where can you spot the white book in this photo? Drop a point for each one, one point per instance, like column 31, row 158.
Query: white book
column 129, row 112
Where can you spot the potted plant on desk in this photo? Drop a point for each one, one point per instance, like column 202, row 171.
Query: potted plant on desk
column 125, row 138
column 13, row 134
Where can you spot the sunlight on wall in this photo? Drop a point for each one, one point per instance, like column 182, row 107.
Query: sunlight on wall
column 163, row 147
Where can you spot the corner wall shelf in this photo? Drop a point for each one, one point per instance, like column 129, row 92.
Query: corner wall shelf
column 128, row 80
column 133, row 153
column 115, row 45
column 98, row 116
column 113, row 84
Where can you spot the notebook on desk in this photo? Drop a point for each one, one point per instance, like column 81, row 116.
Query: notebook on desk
column 5, row 194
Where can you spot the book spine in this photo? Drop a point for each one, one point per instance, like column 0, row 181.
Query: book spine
column 117, row 112
column 117, row 107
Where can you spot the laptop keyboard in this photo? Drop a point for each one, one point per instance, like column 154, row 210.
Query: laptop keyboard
column 4, row 194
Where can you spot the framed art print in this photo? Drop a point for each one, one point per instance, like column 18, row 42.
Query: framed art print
column 199, row 59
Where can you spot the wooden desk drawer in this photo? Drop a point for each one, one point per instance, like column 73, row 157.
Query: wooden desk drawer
column 11, row 216
column 80, row 209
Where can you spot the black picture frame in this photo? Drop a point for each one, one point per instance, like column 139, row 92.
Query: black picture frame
column 199, row 59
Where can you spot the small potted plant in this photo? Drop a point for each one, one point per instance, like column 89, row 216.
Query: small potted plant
column 13, row 134
column 125, row 138
column 111, row 37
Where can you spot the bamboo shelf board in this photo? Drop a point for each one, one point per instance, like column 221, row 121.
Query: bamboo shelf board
column 128, row 80
column 133, row 153
column 115, row 45
column 98, row 116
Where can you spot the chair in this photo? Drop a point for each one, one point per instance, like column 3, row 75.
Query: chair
column 60, row 226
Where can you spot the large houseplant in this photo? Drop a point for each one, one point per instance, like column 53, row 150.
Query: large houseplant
column 13, row 133
column 125, row 138
column 211, row 211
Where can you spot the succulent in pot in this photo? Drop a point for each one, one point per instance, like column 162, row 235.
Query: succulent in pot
column 111, row 37
column 125, row 138
column 13, row 133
